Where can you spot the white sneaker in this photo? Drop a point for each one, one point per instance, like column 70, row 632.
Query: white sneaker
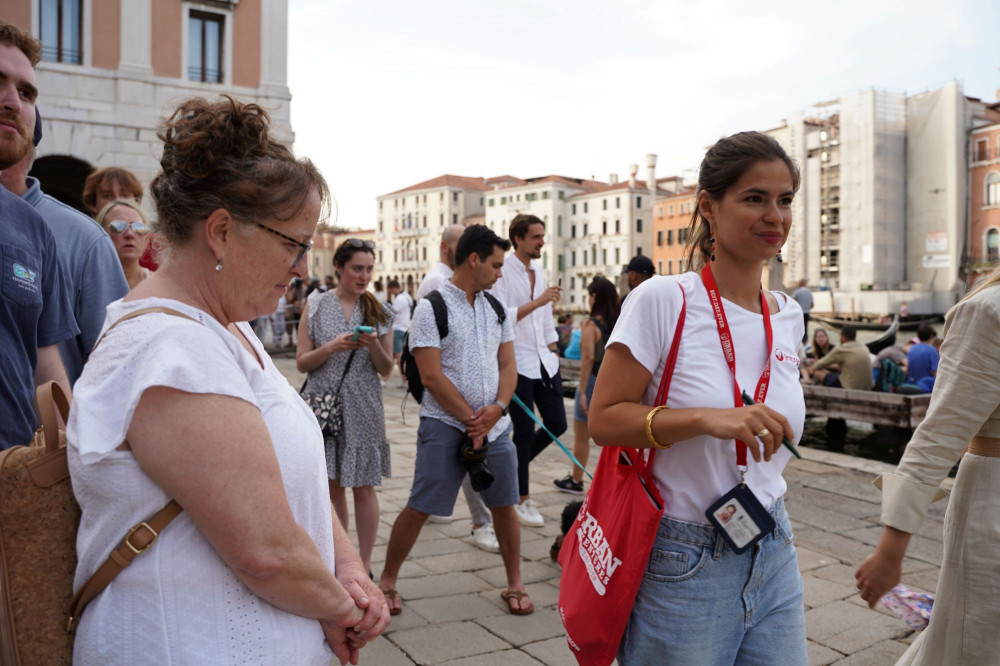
column 485, row 538
column 527, row 513
column 439, row 519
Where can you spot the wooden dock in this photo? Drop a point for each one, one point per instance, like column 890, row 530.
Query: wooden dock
column 881, row 409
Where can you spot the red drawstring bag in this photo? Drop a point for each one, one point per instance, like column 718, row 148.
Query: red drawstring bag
column 605, row 553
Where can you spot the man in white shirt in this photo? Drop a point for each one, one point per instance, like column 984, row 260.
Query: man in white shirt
column 804, row 298
column 402, row 305
column 483, row 535
column 446, row 267
column 528, row 298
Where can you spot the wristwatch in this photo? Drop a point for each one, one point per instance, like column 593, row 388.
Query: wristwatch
column 504, row 409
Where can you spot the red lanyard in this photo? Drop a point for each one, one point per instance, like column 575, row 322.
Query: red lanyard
column 729, row 351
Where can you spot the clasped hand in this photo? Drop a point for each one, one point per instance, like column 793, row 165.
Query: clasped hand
column 368, row 618
column 479, row 424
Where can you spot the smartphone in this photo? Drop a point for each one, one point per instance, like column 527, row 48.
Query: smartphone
column 358, row 330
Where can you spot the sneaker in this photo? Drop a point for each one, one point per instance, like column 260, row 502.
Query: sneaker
column 485, row 538
column 568, row 485
column 527, row 513
column 439, row 519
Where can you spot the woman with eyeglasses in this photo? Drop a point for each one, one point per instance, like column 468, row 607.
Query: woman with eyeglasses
column 128, row 227
column 179, row 400
column 340, row 359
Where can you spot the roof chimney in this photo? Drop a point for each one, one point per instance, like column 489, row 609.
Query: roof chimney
column 633, row 169
column 651, row 178
column 613, row 179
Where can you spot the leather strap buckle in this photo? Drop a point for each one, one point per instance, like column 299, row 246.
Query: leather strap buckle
column 128, row 538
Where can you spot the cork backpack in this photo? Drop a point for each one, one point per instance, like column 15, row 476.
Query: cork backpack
column 39, row 518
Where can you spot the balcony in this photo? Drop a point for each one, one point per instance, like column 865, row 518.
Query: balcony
column 411, row 265
column 411, row 232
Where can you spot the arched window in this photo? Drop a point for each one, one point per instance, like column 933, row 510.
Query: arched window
column 993, row 189
column 993, row 245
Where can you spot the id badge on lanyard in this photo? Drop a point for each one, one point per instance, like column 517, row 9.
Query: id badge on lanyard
column 738, row 515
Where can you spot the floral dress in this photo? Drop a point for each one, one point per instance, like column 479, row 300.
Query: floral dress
column 359, row 455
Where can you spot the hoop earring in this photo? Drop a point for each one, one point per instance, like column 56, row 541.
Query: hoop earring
column 218, row 265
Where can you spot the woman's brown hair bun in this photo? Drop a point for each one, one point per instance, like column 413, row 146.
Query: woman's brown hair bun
column 221, row 154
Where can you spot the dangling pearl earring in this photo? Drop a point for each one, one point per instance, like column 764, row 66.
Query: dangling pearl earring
column 218, row 266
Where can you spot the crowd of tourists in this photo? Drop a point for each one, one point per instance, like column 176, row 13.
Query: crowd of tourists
column 691, row 385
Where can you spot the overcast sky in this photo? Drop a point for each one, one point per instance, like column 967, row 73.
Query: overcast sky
column 386, row 94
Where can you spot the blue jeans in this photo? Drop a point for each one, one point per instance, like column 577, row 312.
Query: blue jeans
column 700, row 604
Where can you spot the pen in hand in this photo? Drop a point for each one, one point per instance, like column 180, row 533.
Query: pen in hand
column 747, row 400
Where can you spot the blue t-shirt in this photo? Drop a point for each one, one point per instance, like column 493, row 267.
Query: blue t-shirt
column 34, row 312
column 91, row 268
column 921, row 360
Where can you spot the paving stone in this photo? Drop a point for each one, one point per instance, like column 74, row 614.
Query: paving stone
column 924, row 581
column 855, row 485
column 886, row 652
column 553, row 652
column 506, row 658
column 838, row 573
column 836, row 618
column 810, row 559
column 465, row 561
column 843, row 505
column 840, row 547
column 879, row 607
column 519, row 630
column 446, row 642
column 537, row 550
column 920, row 548
column 440, row 585
column 820, row 655
column 531, row 572
column 440, row 547
column 865, row 635
column 819, row 591
column 453, row 608
column 381, row 651
column 829, row 519
column 405, row 620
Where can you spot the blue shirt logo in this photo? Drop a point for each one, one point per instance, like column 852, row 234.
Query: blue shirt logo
column 24, row 274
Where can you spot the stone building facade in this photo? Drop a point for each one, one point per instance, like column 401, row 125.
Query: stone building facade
column 113, row 69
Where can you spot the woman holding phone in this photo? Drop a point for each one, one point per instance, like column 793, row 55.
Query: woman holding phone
column 337, row 352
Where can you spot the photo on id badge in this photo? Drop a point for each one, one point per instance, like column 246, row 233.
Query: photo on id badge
column 740, row 518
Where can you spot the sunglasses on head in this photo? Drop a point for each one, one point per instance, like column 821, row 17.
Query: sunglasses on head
column 119, row 226
column 357, row 242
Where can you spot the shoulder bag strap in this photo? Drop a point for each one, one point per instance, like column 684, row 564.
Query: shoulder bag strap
column 440, row 312
column 139, row 538
column 346, row 368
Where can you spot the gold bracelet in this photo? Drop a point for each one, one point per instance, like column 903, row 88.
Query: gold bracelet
column 649, row 428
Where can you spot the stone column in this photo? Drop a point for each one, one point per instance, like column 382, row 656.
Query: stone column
column 136, row 37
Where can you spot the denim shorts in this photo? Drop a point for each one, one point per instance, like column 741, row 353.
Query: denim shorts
column 701, row 604
column 578, row 414
column 397, row 341
column 438, row 474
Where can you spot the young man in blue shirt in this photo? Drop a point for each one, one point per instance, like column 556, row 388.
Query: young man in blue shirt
column 35, row 314
column 922, row 359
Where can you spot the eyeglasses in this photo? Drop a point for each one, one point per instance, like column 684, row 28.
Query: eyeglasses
column 305, row 246
column 357, row 242
column 119, row 226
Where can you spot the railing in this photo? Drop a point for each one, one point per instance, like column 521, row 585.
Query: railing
column 411, row 232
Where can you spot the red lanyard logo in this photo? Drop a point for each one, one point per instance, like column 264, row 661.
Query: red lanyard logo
column 729, row 351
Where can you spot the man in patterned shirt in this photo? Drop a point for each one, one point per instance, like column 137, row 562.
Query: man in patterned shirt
column 469, row 376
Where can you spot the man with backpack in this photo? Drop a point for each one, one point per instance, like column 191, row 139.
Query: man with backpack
column 467, row 366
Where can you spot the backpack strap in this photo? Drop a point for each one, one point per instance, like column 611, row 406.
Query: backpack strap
column 440, row 312
column 497, row 307
column 140, row 537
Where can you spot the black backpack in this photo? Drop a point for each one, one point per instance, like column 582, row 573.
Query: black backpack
column 408, row 365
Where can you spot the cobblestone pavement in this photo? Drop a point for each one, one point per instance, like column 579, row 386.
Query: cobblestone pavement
column 453, row 613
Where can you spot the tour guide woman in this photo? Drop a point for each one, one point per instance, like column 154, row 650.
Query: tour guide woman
column 700, row 601
column 254, row 569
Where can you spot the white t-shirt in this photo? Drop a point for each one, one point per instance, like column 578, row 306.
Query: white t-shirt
column 402, row 304
column 435, row 279
column 180, row 603
column 694, row 473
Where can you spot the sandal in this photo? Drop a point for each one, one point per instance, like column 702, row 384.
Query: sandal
column 507, row 595
column 391, row 595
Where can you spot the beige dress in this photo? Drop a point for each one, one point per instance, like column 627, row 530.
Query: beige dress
column 965, row 404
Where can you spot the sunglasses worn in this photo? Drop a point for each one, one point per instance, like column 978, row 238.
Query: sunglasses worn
column 357, row 242
column 305, row 247
column 119, row 226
